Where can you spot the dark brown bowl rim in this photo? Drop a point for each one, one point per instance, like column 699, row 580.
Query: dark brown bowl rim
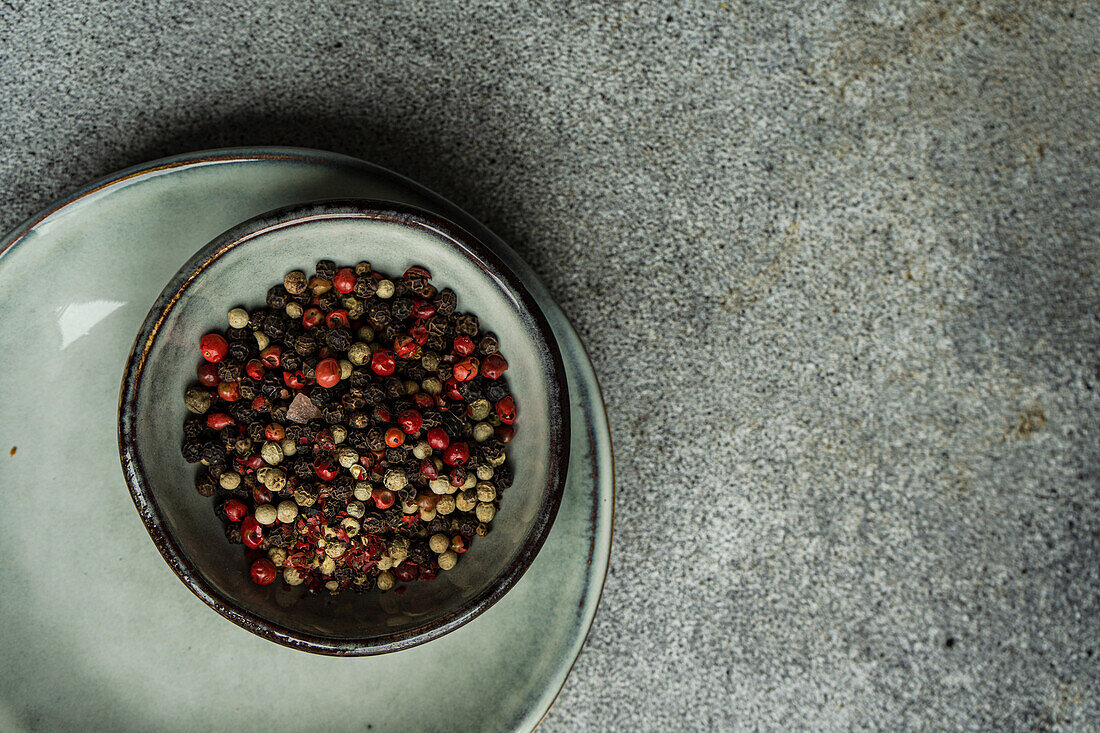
column 478, row 254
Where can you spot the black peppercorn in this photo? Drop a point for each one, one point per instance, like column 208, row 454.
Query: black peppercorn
column 291, row 361
column 279, row 414
column 326, row 269
column 394, row 387
column 390, row 332
column 401, row 308
column 341, row 489
column 495, row 391
column 490, row 450
column 274, row 326
column 305, row 344
column 248, row 388
column 192, row 451
column 488, row 344
column 446, row 302
column 240, row 351
column 302, row 469
column 212, row 452
column 365, row 287
column 278, row 537
column 205, row 484
column 193, row 428
column 431, row 419
column 373, row 523
column 353, row 400
column 277, row 297
column 444, row 372
column 435, row 343
column 415, row 372
column 233, row 534
column 339, row 339
column 378, row 313
column 228, row 371
column 256, row 430
column 395, row 455
column 393, row 517
column 470, row 391
column 436, row 326
column 333, row 414
column 256, row 318
column 502, row 476
column 467, row 525
column 454, row 425
column 466, row 324
column 328, row 301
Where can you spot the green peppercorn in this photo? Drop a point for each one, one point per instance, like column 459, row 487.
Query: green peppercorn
column 198, row 400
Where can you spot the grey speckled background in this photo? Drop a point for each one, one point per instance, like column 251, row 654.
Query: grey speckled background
column 836, row 266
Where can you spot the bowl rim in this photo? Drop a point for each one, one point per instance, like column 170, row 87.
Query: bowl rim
column 448, row 234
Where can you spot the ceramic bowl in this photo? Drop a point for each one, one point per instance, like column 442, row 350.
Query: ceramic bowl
column 236, row 269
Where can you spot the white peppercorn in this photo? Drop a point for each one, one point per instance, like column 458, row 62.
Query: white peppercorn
column 482, row 432
column 287, row 511
column 289, row 446
column 362, row 490
column 271, row 452
column 439, row 543
column 328, row 565
column 395, row 480
column 445, row 505
column 385, row 289
column 277, row 555
column 440, row 486
column 266, row 514
column 385, row 563
column 484, row 472
column 465, row 501
column 385, row 580
column 294, row 310
column 470, row 481
column 346, row 457
column 339, row 434
column 238, row 318
column 292, row 577
column 197, row 400
column 262, row 341
column 345, row 368
column 230, row 480
column 485, row 512
column 357, row 509
column 427, row 515
column 351, row 526
column 422, row 450
column 486, row 492
column 359, row 353
column 448, row 560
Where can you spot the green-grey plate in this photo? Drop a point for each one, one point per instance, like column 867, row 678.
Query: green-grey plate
column 97, row 632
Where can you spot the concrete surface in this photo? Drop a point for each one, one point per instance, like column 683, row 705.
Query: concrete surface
column 837, row 269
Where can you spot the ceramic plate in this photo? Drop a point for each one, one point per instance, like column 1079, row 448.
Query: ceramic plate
column 97, row 632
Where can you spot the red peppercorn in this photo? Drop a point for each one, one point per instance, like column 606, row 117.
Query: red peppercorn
column 382, row 362
column 263, row 572
column 382, row 414
column 451, row 390
column 208, row 374
column 494, row 366
column 229, row 391
column 325, row 352
column 218, row 420
column 427, row 469
column 406, row 347
column 344, row 281
column 383, row 498
column 235, row 510
column 255, row 462
column 458, row 544
column 410, row 421
column 312, row 317
column 260, row 495
column 423, row 308
column 272, row 356
column 261, row 404
column 465, row 370
column 423, row 400
column 407, row 572
column 274, row 431
column 395, row 438
column 252, row 532
column 328, row 372
column 419, row 334
column 506, row 410
column 325, row 470
column 427, row 500
column 294, row 380
column 428, row 572
column 418, row 271
column 456, row 454
column 505, row 433
column 464, row 345
column 254, row 368
column 457, row 477
column 438, row 438
column 338, row 319
column 214, row 347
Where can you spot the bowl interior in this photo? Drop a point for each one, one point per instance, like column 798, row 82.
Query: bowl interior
column 236, row 270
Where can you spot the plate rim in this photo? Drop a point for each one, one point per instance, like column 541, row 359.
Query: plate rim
column 242, row 154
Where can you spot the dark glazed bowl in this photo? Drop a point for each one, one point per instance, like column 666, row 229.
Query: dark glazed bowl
column 237, row 268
